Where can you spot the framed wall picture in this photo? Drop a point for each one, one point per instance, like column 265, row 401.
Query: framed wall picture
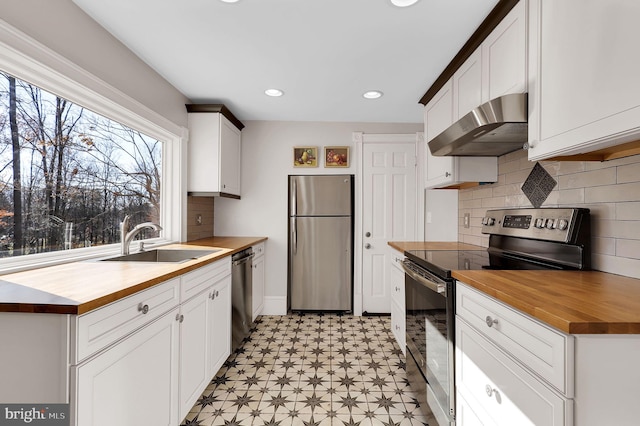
column 336, row 156
column 306, row 156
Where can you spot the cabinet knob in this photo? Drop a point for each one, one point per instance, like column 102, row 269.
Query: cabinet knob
column 490, row 321
column 367, row 234
column 447, row 174
column 367, row 246
column 398, row 327
column 179, row 318
column 397, row 288
column 143, row 308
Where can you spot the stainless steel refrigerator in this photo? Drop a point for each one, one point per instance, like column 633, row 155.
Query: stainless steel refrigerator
column 321, row 242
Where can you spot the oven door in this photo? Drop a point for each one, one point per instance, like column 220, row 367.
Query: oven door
column 430, row 334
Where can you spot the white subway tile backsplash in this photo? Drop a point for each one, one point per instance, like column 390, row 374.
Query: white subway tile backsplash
column 571, row 197
column 518, row 177
column 613, row 193
column 627, row 211
column 628, row 248
column 603, row 245
column 610, row 189
column 587, row 179
column 629, row 173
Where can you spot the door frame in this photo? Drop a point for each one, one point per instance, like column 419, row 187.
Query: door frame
column 359, row 139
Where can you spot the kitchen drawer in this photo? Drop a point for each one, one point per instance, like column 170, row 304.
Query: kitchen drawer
column 398, row 326
column 196, row 281
column 258, row 249
column 101, row 327
column 494, row 385
column 467, row 415
column 542, row 349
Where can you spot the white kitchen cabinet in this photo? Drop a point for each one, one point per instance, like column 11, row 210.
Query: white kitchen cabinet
column 134, row 382
column 205, row 329
column 583, row 91
column 439, row 114
column 467, row 85
column 257, row 296
column 499, row 390
column 398, row 318
column 496, row 68
column 214, row 151
column 514, row 369
column 146, row 359
column 504, row 56
column 194, row 339
column 219, row 324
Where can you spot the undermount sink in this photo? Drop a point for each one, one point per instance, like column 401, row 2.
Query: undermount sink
column 162, row 255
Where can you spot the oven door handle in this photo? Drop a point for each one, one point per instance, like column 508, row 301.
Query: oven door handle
column 431, row 285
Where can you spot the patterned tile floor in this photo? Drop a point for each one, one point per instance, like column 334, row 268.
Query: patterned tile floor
column 312, row 369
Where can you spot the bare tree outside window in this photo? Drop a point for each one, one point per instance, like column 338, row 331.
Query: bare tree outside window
column 68, row 175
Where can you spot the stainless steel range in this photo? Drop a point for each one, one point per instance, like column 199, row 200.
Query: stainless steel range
column 547, row 238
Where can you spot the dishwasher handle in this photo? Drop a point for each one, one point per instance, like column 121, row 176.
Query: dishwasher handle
column 243, row 260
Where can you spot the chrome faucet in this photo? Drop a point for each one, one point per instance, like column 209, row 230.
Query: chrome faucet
column 127, row 236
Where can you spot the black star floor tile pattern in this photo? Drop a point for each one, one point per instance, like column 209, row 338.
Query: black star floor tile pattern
column 312, row 370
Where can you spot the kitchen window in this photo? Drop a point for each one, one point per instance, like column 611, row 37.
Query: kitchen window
column 73, row 162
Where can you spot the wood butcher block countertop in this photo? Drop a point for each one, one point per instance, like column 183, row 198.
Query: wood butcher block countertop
column 79, row 287
column 432, row 245
column 576, row 302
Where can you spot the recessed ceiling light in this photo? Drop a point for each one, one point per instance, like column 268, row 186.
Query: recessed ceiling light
column 403, row 3
column 229, row 1
column 372, row 94
column 274, row 92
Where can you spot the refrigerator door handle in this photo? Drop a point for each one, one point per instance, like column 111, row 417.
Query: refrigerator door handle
column 294, row 198
column 295, row 235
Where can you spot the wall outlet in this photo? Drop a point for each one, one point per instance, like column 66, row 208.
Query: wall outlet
column 467, row 218
column 198, row 219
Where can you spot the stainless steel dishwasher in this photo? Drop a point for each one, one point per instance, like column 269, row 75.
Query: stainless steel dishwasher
column 241, row 296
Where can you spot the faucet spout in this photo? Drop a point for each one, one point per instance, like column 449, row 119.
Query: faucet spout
column 127, row 236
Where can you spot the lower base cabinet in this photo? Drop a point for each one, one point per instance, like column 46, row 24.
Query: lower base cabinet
column 398, row 317
column 134, row 382
column 498, row 390
column 512, row 369
column 155, row 374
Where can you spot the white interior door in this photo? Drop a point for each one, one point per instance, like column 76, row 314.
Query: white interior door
column 388, row 214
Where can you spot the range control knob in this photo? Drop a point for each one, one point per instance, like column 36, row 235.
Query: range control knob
column 539, row 223
column 551, row 223
column 563, row 224
column 489, row 221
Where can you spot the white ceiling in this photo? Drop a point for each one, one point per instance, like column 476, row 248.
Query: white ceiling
column 324, row 54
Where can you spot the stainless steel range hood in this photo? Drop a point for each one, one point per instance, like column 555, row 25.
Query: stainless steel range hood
column 494, row 128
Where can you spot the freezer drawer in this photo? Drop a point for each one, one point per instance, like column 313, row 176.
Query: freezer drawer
column 328, row 195
column 320, row 262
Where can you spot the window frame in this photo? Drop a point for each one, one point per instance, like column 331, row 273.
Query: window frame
column 29, row 60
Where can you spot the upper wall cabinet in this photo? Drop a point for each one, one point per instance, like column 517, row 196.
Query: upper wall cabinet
column 214, row 150
column 583, row 91
column 449, row 171
column 504, row 56
column 496, row 68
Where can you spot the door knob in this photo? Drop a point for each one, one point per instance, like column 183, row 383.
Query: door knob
column 368, row 234
column 367, row 246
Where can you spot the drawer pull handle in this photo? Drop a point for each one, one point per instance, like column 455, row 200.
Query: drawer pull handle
column 490, row 390
column 490, row 321
column 143, row 308
column 214, row 294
